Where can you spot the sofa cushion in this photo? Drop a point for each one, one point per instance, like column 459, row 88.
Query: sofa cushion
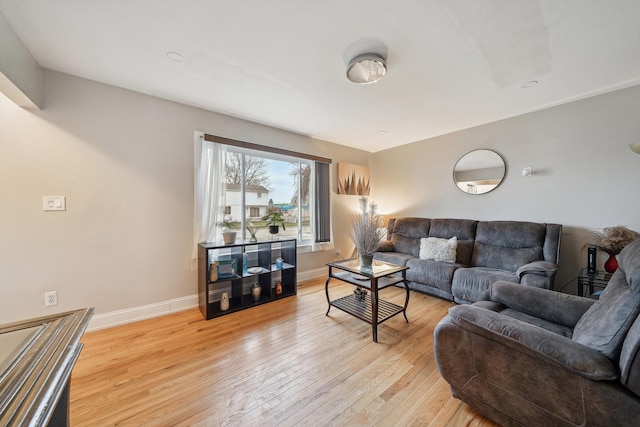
column 520, row 337
column 605, row 325
column 470, row 283
column 463, row 229
column 629, row 262
column 386, row 246
column 407, row 233
column 630, row 359
column 551, row 248
column 507, row 245
column 432, row 273
column 436, row 249
column 393, row 257
column 542, row 323
column 555, row 307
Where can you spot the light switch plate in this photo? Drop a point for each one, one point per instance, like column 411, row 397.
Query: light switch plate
column 54, row 203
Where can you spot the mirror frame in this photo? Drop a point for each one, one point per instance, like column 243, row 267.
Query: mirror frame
column 491, row 180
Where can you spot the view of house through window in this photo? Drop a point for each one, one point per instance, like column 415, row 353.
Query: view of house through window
column 274, row 185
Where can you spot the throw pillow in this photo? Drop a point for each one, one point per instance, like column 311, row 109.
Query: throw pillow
column 436, row 249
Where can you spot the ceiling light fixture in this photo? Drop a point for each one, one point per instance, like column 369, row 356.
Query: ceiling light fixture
column 366, row 68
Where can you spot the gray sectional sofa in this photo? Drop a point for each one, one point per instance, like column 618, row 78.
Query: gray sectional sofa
column 486, row 252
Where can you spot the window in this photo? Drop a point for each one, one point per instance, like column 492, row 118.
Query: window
column 258, row 180
column 286, row 183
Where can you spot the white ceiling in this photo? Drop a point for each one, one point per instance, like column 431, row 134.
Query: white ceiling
column 452, row 64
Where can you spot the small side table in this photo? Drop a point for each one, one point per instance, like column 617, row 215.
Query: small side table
column 599, row 279
column 371, row 309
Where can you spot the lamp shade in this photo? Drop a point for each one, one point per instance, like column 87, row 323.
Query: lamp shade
column 635, row 147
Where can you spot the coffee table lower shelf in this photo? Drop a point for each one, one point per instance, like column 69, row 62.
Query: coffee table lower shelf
column 362, row 308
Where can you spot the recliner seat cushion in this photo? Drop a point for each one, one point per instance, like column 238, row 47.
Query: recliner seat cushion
column 470, row 283
column 433, row 273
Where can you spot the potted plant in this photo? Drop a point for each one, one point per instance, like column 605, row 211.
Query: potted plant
column 274, row 221
column 365, row 233
column 228, row 235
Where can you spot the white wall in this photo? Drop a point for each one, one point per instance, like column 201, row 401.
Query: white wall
column 585, row 176
column 124, row 161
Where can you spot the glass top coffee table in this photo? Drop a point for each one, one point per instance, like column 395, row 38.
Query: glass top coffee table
column 371, row 309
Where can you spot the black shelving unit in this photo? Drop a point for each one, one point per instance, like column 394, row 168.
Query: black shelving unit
column 261, row 255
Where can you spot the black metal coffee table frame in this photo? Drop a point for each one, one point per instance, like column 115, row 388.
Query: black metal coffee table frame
column 371, row 309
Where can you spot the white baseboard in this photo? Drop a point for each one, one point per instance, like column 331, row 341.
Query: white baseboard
column 133, row 314
column 312, row 274
column 120, row 317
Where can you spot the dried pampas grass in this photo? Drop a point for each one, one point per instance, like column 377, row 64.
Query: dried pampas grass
column 365, row 234
column 613, row 239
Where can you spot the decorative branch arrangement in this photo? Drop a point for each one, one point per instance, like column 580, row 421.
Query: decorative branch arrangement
column 613, row 239
column 365, row 230
column 251, row 228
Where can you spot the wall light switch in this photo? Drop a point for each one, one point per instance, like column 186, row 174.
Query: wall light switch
column 54, row 203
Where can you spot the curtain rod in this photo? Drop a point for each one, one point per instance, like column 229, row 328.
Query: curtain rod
column 252, row 146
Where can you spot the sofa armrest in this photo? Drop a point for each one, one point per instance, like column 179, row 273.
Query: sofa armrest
column 544, row 304
column 541, row 268
column 386, row 246
column 534, row 341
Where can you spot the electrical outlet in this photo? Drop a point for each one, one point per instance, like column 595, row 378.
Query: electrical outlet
column 337, row 252
column 50, row 298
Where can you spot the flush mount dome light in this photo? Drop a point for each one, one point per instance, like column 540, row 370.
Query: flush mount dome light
column 366, row 68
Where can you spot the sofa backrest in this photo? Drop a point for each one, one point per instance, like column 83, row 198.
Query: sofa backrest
column 407, row 233
column 630, row 359
column 498, row 244
column 605, row 325
column 630, row 354
column 508, row 245
column 463, row 229
column 551, row 248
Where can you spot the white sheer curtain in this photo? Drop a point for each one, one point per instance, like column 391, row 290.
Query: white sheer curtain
column 209, row 167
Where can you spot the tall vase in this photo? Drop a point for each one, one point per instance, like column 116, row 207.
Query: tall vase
column 224, row 301
column 366, row 261
column 256, row 290
column 611, row 265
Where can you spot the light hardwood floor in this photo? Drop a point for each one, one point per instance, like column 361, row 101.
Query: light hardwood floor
column 283, row 363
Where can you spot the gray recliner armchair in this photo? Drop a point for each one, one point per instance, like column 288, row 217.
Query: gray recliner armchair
column 530, row 356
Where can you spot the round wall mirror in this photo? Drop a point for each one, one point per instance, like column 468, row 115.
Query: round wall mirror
column 479, row 171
